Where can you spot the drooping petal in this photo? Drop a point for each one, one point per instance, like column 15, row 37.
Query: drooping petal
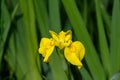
column 79, row 49
column 46, row 48
column 71, row 57
column 75, row 53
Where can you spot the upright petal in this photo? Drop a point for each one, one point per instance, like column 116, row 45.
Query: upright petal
column 62, row 39
column 54, row 35
column 68, row 35
column 68, row 38
column 65, row 39
column 46, row 48
column 61, row 36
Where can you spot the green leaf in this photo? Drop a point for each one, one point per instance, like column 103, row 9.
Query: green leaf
column 30, row 37
column 85, row 74
column 5, row 27
column 57, row 67
column 42, row 17
column 106, row 18
column 104, row 51
column 54, row 15
column 115, row 37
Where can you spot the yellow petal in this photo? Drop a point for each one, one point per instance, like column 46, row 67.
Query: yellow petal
column 71, row 57
column 75, row 53
column 46, row 48
column 54, row 35
column 79, row 49
column 55, row 38
column 65, row 39
column 68, row 35
column 65, row 36
column 62, row 39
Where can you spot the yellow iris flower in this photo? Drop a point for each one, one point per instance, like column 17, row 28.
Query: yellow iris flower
column 73, row 51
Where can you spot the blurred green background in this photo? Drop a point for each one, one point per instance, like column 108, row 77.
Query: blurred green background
column 96, row 23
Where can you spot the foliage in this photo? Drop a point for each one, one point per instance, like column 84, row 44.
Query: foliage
column 24, row 22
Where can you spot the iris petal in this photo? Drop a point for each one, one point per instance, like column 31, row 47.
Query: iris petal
column 54, row 35
column 62, row 39
column 74, row 53
column 68, row 35
column 72, row 58
column 79, row 49
column 46, row 48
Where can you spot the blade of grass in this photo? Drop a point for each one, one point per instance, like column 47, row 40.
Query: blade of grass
column 31, row 37
column 18, row 56
column 82, row 34
column 107, row 21
column 5, row 27
column 106, row 18
column 23, row 55
column 85, row 12
column 115, row 37
column 57, row 67
column 54, row 15
column 6, row 19
column 42, row 17
column 16, row 65
column 85, row 74
column 102, row 40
